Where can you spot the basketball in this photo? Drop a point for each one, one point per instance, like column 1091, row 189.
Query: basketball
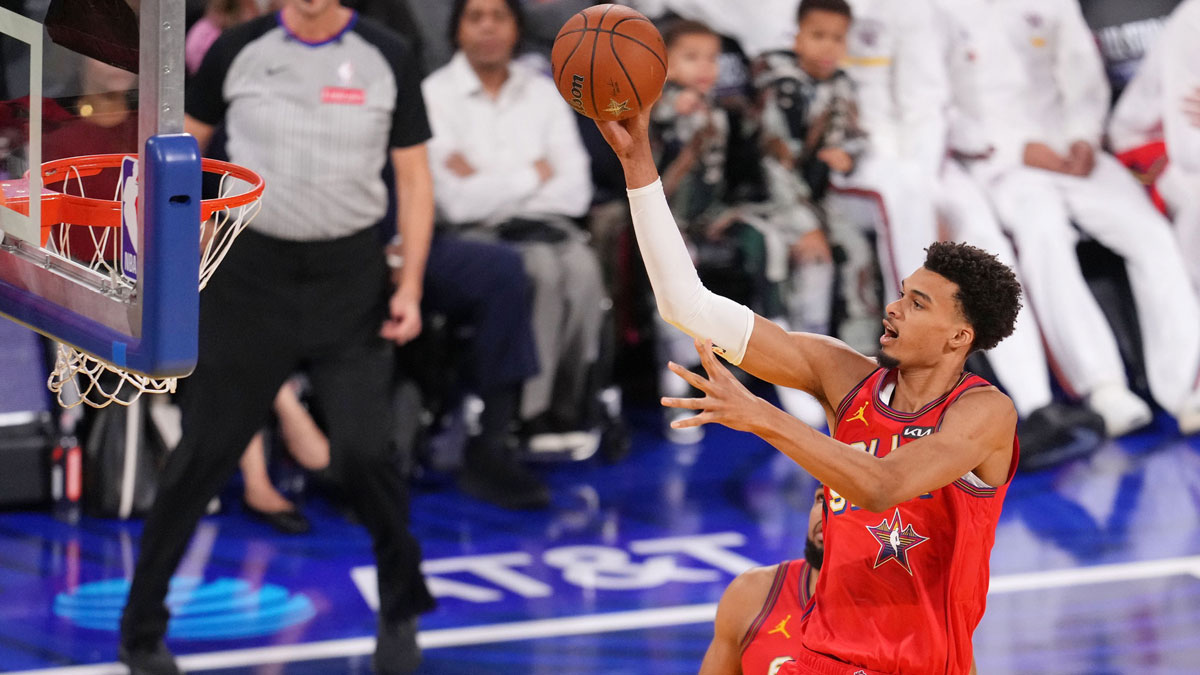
column 609, row 62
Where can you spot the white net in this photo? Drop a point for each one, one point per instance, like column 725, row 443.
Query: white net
column 79, row 377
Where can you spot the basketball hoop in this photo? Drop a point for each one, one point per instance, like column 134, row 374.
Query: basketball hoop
column 81, row 377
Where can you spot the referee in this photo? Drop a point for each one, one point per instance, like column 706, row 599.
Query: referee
column 314, row 98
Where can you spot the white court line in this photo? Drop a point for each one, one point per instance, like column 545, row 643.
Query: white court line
column 610, row 622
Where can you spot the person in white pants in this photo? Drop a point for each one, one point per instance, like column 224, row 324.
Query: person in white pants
column 1162, row 103
column 978, row 73
column 1063, row 176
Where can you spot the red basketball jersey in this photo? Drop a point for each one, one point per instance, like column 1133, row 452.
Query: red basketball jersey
column 774, row 637
column 902, row 591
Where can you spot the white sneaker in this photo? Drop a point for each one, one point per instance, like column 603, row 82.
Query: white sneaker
column 1188, row 416
column 803, row 406
column 1121, row 409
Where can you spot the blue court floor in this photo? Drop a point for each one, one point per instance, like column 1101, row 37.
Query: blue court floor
column 1096, row 569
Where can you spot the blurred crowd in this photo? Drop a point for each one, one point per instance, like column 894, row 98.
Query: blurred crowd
column 810, row 152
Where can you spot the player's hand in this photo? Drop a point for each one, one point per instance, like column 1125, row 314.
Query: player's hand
column 630, row 136
column 459, row 166
column 726, row 401
column 630, row 140
column 838, row 159
column 1042, row 156
column 812, row 248
column 1191, row 107
column 404, row 310
column 545, row 170
column 1081, row 159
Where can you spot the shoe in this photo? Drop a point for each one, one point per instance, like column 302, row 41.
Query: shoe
column 290, row 521
column 1122, row 410
column 396, row 649
column 1055, row 434
column 1188, row 416
column 156, row 661
column 505, row 484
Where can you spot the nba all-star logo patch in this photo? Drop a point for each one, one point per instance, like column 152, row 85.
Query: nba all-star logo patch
column 895, row 540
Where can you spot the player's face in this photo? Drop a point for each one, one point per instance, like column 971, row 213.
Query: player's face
column 814, row 543
column 816, row 528
column 488, row 33
column 692, row 61
column 924, row 323
column 821, row 42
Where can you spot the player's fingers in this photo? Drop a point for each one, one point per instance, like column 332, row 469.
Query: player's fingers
column 694, row 421
column 708, row 359
column 686, row 403
column 688, row 376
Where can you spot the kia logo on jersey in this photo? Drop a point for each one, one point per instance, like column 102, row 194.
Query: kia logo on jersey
column 917, row 432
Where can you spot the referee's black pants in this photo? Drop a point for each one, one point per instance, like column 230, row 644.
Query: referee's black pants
column 274, row 307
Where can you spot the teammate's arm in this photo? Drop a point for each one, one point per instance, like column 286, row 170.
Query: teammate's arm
column 739, row 605
column 824, row 367
column 976, row 435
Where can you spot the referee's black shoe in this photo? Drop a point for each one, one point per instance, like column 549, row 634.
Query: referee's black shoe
column 156, row 660
column 396, row 650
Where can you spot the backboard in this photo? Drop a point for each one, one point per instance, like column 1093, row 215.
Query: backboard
column 90, row 77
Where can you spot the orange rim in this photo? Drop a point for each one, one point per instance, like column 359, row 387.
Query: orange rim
column 59, row 207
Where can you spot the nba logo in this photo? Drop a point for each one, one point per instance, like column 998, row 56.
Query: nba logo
column 128, row 189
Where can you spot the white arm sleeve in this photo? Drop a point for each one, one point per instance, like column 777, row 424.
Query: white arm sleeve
column 683, row 301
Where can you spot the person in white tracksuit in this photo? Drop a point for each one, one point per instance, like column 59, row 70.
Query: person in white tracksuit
column 1060, row 175
column 1160, row 104
column 978, row 71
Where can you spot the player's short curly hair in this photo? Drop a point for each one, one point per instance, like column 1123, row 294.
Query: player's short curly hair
column 989, row 294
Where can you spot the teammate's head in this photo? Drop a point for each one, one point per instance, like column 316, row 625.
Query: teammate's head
column 822, row 26
column 693, row 53
column 962, row 300
column 814, row 543
column 487, row 31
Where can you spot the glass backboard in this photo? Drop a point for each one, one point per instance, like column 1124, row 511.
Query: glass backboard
column 92, row 77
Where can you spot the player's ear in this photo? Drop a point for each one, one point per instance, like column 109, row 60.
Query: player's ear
column 963, row 337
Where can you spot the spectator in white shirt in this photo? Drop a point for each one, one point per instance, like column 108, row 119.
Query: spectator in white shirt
column 1062, row 177
column 508, row 164
column 1162, row 103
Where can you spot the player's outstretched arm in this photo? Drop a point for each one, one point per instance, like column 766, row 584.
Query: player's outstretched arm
column 736, row 611
column 976, row 435
column 819, row 365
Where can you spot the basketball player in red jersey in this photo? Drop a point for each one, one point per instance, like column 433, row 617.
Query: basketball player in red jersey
column 758, row 618
column 921, row 455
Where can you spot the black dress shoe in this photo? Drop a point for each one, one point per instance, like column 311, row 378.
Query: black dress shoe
column 157, row 660
column 396, row 649
column 287, row 522
column 1056, row 434
column 505, row 484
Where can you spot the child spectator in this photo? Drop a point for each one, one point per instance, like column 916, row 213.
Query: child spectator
column 738, row 249
column 810, row 131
